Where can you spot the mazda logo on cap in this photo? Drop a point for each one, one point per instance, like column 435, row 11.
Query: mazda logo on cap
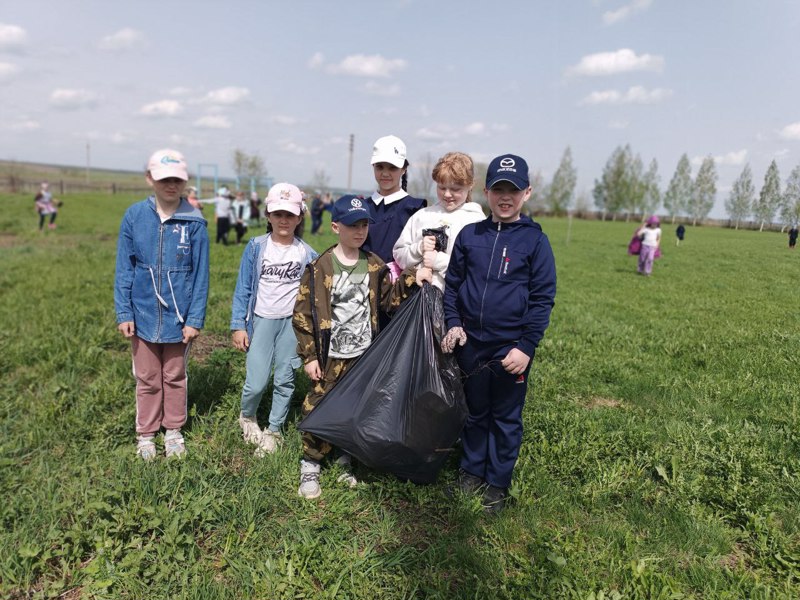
column 507, row 163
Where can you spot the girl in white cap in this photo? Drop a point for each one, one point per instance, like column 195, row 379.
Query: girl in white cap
column 390, row 205
column 261, row 319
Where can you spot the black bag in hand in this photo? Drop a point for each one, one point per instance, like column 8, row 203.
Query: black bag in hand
column 401, row 407
column 440, row 233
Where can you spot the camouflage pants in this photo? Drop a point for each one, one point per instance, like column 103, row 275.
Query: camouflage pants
column 313, row 447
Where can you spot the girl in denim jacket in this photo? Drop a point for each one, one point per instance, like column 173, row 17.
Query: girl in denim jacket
column 160, row 292
column 261, row 319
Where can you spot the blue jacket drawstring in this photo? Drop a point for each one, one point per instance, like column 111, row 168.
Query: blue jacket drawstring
column 171, row 291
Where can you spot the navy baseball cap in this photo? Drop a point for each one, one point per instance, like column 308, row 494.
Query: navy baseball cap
column 508, row 167
column 349, row 209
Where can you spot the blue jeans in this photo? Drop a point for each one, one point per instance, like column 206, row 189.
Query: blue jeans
column 273, row 344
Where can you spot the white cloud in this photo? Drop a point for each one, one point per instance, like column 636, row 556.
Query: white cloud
column 7, row 70
column 614, row 16
column 476, row 128
column 162, row 108
column 791, row 131
column 635, row 95
column 284, row 120
column 781, row 153
column 213, row 122
column 124, row 39
column 316, row 61
column 12, row 37
column 292, row 147
column 360, row 65
column 376, row 89
column 434, row 134
column 72, row 99
column 733, row 159
column 624, row 60
column 25, row 125
column 227, row 96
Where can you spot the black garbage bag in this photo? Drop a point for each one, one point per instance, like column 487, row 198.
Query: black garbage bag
column 401, row 407
column 440, row 237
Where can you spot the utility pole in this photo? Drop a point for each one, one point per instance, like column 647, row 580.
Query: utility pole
column 350, row 166
column 87, row 162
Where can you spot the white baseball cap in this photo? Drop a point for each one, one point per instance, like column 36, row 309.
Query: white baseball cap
column 390, row 149
column 285, row 196
column 167, row 163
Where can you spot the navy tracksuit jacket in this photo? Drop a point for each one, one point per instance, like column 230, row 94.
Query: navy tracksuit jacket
column 500, row 287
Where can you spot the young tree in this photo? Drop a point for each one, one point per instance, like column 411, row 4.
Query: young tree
column 420, row 183
column 255, row 168
column 740, row 202
column 320, row 181
column 239, row 162
column 679, row 191
column 538, row 200
column 790, row 210
column 633, row 188
column 247, row 167
column 562, row 189
column 770, row 197
column 651, row 198
column 704, row 191
column 611, row 189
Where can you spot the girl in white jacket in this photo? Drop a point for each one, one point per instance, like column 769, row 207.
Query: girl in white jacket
column 454, row 176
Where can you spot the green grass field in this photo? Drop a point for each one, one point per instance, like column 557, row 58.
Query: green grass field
column 661, row 456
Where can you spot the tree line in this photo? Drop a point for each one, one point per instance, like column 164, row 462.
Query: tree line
column 626, row 187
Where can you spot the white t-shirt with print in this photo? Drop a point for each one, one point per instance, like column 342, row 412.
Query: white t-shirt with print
column 279, row 279
column 351, row 333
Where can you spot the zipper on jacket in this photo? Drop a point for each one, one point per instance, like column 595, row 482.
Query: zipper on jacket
column 160, row 267
column 488, row 273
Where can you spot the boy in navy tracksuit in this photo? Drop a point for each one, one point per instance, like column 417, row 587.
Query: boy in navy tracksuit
column 500, row 289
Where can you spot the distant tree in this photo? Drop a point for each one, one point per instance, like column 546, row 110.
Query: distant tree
column 651, row 199
column 255, row 168
column 634, row 186
column 561, row 190
column 538, row 200
column 790, row 209
column 321, row 181
column 239, row 162
column 611, row 190
column 420, row 183
column 478, row 194
column 679, row 191
column 704, row 191
column 581, row 204
column 740, row 202
column 770, row 196
column 247, row 167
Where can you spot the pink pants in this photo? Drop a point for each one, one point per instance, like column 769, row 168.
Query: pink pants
column 161, row 384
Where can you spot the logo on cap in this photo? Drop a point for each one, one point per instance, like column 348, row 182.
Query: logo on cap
column 507, row 163
column 356, row 203
column 167, row 159
column 286, row 194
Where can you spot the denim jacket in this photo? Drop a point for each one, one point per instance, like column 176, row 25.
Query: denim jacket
column 161, row 281
column 244, row 297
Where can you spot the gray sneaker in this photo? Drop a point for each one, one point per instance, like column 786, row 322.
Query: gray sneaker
column 309, row 480
column 250, row 430
column 174, row 444
column 146, row 448
column 345, row 461
column 268, row 443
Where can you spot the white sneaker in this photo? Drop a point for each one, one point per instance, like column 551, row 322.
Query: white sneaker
column 309, row 480
column 145, row 447
column 174, row 445
column 250, row 430
column 345, row 461
column 268, row 443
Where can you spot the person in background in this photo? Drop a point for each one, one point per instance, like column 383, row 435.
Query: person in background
column 255, row 209
column 336, row 319
column 680, row 232
column 317, row 209
column 454, row 176
column 499, row 292
column 650, row 234
column 160, row 293
column 793, row 237
column 223, row 213
column 46, row 206
column 390, row 206
column 261, row 316
column 191, row 196
column 241, row 213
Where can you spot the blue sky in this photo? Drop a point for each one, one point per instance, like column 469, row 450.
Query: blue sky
column 291, row 81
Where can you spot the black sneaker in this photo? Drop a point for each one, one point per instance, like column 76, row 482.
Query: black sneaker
column 494, row 499
column 468, row 483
